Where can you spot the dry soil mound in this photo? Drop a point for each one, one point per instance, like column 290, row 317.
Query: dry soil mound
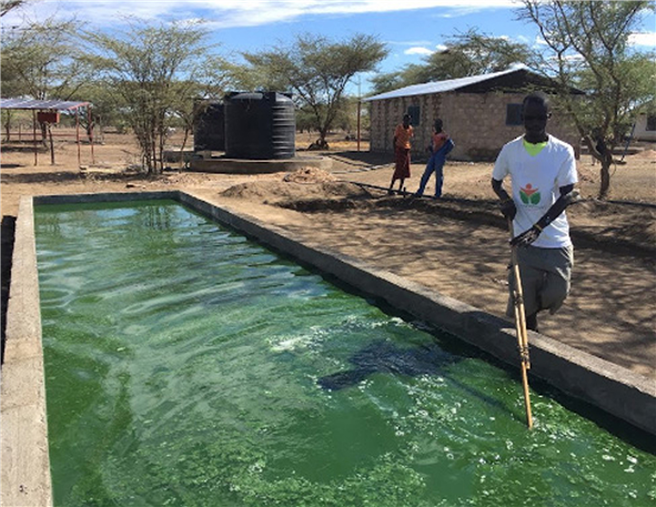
column 302, row 185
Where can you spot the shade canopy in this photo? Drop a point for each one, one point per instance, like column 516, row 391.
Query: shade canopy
column 32, row 104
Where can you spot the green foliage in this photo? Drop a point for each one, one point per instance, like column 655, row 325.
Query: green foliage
column 467, row 54
column 474, row 53
column 409, row 75
column 42, row 60
column 316, row 70
column 146, row 69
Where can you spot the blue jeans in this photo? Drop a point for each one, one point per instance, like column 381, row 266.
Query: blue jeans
column 436, row 165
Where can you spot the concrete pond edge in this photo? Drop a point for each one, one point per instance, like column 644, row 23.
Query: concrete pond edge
column 25, row 467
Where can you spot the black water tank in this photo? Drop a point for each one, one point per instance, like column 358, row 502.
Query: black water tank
column 209, row 129
column 259, row 126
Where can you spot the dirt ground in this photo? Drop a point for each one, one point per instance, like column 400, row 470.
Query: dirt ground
column 457, row 245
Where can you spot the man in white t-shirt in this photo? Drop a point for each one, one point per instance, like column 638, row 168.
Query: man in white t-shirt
column 543, row 174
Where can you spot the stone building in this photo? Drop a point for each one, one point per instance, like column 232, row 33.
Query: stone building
column 480, row 113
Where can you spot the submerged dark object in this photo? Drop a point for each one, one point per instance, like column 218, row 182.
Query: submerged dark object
column 385, row 357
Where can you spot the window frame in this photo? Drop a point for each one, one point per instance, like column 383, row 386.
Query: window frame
column 415, row 114
column 514, row 115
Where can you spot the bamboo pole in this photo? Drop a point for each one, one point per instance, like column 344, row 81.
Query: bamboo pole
column 520, row 328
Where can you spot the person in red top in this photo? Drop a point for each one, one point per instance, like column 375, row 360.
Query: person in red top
column 402, row 135
column 439, row 149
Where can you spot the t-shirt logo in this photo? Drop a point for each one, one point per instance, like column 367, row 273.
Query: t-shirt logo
column 529, row 195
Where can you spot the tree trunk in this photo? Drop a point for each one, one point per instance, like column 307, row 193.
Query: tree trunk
column 44, row 134
column 8, row 126
column 160, row 152
column 604, row 173
column 604, row 154
column 322, row 143
column 183, row 162
column 52, row 145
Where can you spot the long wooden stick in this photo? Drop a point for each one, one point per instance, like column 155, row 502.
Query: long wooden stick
column 520, row 328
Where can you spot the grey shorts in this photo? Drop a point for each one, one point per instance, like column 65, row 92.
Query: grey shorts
column 545, row 274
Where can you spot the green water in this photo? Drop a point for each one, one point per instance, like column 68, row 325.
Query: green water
column 189, row 366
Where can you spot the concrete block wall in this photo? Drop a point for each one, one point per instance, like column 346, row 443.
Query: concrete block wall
column 477, row 124
column 387, row 114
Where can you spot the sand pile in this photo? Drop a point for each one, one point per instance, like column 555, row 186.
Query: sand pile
column 648, row 154
column 305, row 184
column 309, row 175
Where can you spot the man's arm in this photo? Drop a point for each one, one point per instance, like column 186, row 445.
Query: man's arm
column 567, row 196
column 507, row 204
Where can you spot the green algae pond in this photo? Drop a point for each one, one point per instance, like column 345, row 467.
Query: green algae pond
column 187, row 365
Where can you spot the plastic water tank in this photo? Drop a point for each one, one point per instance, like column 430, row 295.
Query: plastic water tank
column 259, row 126
column 209, row 129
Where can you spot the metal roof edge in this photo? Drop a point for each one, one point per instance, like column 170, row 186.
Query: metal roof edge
column 444, row 86
column 34, row 104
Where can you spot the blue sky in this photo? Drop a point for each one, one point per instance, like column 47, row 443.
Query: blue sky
column 410, row 28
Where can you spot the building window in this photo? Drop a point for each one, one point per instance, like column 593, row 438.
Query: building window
column 513, row 114
column 651, row 122
column 414, row 112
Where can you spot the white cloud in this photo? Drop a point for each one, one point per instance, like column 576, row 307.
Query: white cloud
column 418, row 51
column 417, row 47
column 574, row 58
column 539, row 41
column 232, row 13
column 409, row 43
column 643, row 39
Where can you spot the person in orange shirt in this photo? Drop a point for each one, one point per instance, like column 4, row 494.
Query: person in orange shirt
column 402, row 135
column 440, row 148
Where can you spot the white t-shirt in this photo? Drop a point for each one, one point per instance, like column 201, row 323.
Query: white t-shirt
column 535, row 186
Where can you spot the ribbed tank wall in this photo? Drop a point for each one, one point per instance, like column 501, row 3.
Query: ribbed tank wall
column 259, row 126
column 209, row 129
column 283, row 135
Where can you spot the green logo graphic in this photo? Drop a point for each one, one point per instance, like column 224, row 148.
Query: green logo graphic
column 529, row 195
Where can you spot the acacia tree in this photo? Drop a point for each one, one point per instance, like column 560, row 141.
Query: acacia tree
column 41, row 60
column 8, row 5
column 316, row 71
column 588, row 48
column 466, row 54
column 149, row 69
column 211, row 80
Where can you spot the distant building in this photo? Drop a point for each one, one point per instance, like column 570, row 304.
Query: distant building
column 645, row 127
column 481, row 113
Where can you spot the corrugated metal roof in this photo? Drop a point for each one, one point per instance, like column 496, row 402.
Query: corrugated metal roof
column 440, row 86
column 58, row 105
